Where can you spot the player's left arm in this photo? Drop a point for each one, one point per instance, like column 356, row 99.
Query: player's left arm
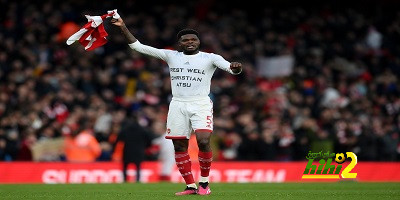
column 234, row 68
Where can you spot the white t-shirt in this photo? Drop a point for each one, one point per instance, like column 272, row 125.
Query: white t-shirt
column 190, row 74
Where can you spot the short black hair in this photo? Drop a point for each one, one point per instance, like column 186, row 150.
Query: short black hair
column 185, row 32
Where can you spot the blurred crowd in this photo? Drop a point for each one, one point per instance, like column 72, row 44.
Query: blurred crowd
column 343, row 93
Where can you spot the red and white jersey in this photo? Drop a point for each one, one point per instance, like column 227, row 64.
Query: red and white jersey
column 190, row 74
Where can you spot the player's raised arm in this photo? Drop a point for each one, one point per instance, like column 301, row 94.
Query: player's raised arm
column 124, row 30
column 135, row 44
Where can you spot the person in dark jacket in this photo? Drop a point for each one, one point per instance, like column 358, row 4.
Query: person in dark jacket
column 136, row 139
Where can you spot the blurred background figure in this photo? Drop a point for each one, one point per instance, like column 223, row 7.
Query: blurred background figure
column 81, row 145
column 166, row 151
column 136, row 139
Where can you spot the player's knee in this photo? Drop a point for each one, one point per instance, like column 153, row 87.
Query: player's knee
column 180, row 145
column 203, row 143
column 180, row 148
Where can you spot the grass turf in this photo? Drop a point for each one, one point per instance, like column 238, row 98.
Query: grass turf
column 225, row 191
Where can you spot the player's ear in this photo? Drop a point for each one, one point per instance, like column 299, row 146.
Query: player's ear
column 179, row 43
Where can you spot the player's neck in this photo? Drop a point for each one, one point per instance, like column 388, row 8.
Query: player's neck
column 191, row 53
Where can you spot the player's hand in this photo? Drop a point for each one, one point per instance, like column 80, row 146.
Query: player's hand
column 236, row 67
column 117, row 22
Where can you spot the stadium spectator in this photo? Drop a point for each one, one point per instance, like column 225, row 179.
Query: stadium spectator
column 80, row 144
column 166, row 152
column 136, row 139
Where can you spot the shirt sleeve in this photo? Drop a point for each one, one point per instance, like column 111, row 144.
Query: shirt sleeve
column 148, row 50
column 223, row 64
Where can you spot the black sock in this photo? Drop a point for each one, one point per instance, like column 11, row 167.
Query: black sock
column 203, row 184
column 190, row 188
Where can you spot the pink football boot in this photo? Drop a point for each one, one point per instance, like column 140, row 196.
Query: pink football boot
column 204, row 189
column 187, row 191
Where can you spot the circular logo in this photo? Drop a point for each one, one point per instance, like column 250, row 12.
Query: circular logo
column 340, row 158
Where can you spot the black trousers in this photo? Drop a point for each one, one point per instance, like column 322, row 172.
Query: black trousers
column 125, row 169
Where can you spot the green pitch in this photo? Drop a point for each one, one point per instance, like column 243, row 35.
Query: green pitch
column 341, row 190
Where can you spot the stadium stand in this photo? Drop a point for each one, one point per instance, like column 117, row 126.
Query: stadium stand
column 320, row 77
